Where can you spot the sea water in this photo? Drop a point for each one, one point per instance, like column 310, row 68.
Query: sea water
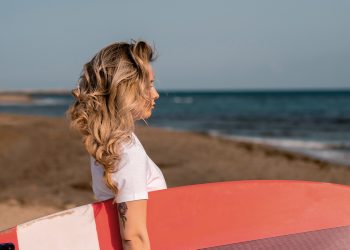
column 316, row 123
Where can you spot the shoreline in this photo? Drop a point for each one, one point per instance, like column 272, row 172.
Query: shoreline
column 251, row 140
column 46, row 169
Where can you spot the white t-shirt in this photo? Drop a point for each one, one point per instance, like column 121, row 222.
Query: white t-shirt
column 137, row 175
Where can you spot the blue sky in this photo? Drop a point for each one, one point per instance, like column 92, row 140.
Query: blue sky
column 201, row 44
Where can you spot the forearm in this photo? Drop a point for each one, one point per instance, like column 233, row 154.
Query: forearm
column 137, row 243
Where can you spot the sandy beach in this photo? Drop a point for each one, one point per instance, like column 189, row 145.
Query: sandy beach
column 44, row 167
column 15, row 98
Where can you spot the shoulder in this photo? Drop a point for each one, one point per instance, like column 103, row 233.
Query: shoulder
column 132, row 152
column 130, row 145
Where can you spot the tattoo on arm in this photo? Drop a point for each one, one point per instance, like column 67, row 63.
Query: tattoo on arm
column 122, row 208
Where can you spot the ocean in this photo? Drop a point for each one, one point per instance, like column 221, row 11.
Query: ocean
column 315, row 123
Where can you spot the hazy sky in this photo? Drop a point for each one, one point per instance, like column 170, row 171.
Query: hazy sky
column 201, row 44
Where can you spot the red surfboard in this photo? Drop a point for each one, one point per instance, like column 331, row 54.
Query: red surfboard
column 254, row 214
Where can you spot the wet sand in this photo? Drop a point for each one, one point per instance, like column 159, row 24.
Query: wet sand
column 44, row 167
column 15, row 98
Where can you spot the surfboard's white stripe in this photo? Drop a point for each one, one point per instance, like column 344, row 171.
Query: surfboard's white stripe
column 63, row 230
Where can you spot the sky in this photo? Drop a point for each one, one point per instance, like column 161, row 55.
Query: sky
column 225, row 45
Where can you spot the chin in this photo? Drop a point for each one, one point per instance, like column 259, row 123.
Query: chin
column 147, row 115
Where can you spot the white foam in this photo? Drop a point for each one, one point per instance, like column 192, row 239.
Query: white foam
column 317, row 149
column 49, row 101
column 286, row 143
column 183, row 100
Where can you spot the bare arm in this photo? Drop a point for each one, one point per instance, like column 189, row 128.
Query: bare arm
column 132, row 222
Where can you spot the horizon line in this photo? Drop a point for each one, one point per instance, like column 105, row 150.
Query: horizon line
column 64, row 90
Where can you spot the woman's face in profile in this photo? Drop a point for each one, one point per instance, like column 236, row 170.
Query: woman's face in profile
column 153, row 94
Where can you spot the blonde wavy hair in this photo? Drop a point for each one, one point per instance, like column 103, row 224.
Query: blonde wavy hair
column 113, row 91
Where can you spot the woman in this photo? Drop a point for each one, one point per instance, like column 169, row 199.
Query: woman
column 115, row 89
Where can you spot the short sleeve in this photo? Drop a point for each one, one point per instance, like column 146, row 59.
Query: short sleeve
column 131, row 176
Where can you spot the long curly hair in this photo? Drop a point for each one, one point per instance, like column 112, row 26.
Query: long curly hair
column 113, row 91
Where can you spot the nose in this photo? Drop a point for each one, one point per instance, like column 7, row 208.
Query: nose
column 155, row 94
